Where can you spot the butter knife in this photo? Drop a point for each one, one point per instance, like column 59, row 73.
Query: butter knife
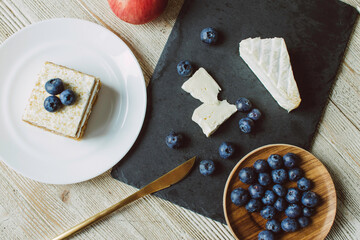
column 161, row 183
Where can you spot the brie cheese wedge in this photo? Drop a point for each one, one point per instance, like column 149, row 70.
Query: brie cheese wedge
column 210, row 116
column 269, row 60
column 202, row 86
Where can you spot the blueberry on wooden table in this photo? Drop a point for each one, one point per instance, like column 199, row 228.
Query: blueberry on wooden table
column 279, row 190
column 207, row 167
column 289, row 225
column 261, row 165
column 174, row 140
column 293, row 211
column 268, row 212
column 303, row 221
column 293, row 195
column 264, row 179
column 291, row 160
column 273, row 225
column 52, row 103
column 280, row 204
column 246, row 125
column 184, row 68
column 254, row 114
column 239, row 196
column 295, row 174
column 304, row 184
column 266, row 235
column 67, row 97
column 269, row 198
column 247, row 175
column 54, row 86
column 308, row 212
column 256, row 191
column 254, row 205
column 310, row 199
column 275, row 161
column 279, row 176
column 226, row 150
column 243, row 104
column 209, row 35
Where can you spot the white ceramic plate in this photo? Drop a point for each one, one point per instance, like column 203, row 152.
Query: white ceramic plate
column 115, row 121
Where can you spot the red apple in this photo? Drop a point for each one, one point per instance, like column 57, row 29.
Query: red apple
column 137, row 11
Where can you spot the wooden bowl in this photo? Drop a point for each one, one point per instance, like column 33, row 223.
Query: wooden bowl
column 245, row 225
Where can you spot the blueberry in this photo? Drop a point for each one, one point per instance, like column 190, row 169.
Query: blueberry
column 289, row 225
column 295, row 174
column 264, row 179
column 293, row 211
column 269, row 198
column 206, row 167
column 304, row 184
column 184, row 68
column 303, row 221
column 280, row 204
column 261, row 165
column 268, row 212
column 266, row 235
column 293, row 195
column 254, row 205
column 52, row 104
column 209, row 35
column 54, row 86
column 279, row 176
column 273, row 225
column 226, row 150
column 255, row 114
column 246, row 125
column 308, row 212
column 291, row 160
column 243, row 104
column 67, row 97
column 256, row 191
column 310, row 199
column 247, row 175
column 275, row 161
column 240, row 196
column 279, row 190
column 174, row 140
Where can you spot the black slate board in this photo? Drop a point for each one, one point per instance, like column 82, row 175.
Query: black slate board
column 316, row 34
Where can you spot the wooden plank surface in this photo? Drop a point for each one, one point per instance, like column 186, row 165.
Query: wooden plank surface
column 31, row 210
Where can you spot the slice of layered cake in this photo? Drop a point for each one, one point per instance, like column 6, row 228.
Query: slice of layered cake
column 45, row 110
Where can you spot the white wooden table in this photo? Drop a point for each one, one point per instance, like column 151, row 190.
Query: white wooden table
column 31, row 210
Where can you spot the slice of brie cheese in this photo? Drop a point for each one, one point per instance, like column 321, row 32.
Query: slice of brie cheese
column 202, row 86
column 210, row 116
column 269, row 60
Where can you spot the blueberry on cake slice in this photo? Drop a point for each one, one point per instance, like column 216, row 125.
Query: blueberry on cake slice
column 64, row 105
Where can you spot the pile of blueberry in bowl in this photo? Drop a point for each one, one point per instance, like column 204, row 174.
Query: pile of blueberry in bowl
column 285, row 209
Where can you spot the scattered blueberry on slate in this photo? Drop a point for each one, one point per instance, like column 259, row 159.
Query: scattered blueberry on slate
column 226, row 150
column 293, row 211
column 67, row 97
column 308, row 212
column 295, row 174
column 254, row 205
column 261, row 165
column 269, row 198
column 303, row 221
column 246, row 125
column 184, row 68
column 254, row 114
column 293, row 195
column 310, row 199
column 304, row 184
column 266, row 235
column 289, row 225
column 268, row 212
column 291, row 160
column 280, row 204
column 209, row 35
column 243, row 104
column 52, row 103
column 206, row 167
column 240, row 196
column 54, row 86
column 280, row 190
column 174, row 140
column 275, row 161
column 247, row 175
column 279, row 176
column 273, row 225
column 264, row 179
column 256, row 191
